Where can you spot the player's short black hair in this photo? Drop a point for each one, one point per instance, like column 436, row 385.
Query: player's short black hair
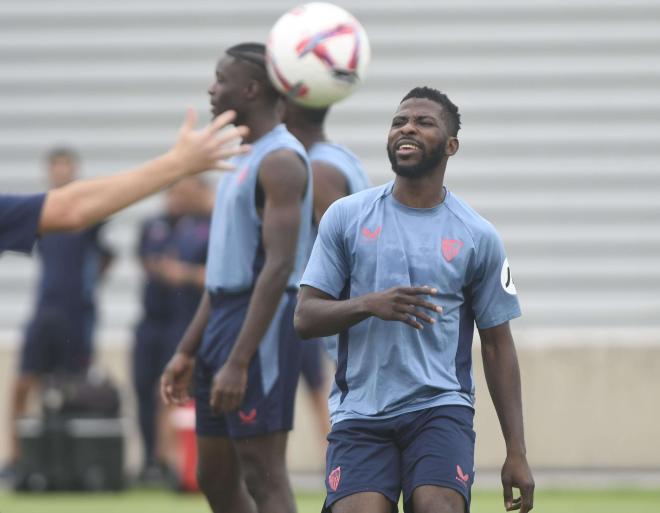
column 62, row 152
column 254, row 54
column 450, row 111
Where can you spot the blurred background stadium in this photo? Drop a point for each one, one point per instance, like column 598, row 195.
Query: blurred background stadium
column 560, row 149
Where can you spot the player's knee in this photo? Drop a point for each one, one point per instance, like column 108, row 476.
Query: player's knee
column 262, row 477
column 214, row 481
column 440, row 501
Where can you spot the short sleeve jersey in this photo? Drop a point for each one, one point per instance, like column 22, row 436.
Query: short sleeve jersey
column 370, row 242
column 19, row 221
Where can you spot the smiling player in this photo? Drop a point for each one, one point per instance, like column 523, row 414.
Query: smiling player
column 402, row 272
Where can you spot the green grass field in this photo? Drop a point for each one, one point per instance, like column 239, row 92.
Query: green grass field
column 139, row 501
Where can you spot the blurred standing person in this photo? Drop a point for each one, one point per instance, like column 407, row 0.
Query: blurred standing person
column 172, row 251
column 336, row 173
column 58, row 338
column 241, row 343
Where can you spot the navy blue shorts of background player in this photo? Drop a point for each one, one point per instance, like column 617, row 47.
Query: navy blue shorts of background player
column 57, row 341
column 312, row 369
column 434, row 446
column 272, row 375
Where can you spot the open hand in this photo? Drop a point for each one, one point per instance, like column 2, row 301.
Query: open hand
column 405, row 304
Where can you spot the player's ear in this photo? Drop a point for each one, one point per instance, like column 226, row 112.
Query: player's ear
column 451, row 147
column 253, row 89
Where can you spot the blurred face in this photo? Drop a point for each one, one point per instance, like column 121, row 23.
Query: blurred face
column 229, row 88
column 62, row 170
column 418, row 138
column 182, row 197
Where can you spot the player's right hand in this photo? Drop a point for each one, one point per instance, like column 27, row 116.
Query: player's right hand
column 210, row 147
column 404, row 304
column 176, row 381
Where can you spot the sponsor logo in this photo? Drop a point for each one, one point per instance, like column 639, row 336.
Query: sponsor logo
column 371, row 234
column 249, row 417
column 507, row 279
column 451, row 248
column 461, row 476
column 334, row 478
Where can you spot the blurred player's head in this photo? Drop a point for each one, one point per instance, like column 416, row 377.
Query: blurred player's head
column 62, row 166
column 242, row 83
column 423, row 133
column 304, row 123
column 186, row 196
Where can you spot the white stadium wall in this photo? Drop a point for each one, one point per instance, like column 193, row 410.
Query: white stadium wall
column 560, row 149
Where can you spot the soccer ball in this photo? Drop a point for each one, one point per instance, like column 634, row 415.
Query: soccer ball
column 317, row 54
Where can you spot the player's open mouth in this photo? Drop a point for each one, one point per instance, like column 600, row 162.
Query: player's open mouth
column 406, row 148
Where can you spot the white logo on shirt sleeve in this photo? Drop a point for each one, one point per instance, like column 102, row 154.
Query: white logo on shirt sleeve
column 506, row 278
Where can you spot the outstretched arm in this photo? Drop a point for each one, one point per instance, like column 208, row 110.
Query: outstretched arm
column 503, row 378
column 86, row 202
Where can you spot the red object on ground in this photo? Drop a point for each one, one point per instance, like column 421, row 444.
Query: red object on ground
column 184, row 422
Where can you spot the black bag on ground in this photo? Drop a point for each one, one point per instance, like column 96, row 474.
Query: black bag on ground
column 78, row 442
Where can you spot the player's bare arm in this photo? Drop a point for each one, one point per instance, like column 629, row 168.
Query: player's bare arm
column 503, row 377
column 176, row 381
column 329, row 185
column 86, row 202
column 319, row 315
column 283, row 178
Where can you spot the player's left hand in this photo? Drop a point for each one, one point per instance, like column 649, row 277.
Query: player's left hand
column 228, row 388
column 517, row 474
column 174, row 272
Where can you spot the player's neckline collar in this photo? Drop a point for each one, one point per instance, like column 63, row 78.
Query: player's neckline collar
column 388, row 191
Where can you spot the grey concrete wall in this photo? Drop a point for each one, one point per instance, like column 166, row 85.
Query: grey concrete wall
column 586, row 405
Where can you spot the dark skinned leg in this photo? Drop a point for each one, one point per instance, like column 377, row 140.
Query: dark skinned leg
column 263, row 459
column 437, row 499
column 220, row 476
column 364, row 502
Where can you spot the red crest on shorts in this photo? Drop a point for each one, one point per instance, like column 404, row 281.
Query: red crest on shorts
column 249, row 417
column 451, row 248
column 333, row 479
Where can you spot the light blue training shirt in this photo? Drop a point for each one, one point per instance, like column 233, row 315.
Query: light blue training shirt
column 236, row 254
column 370, row 242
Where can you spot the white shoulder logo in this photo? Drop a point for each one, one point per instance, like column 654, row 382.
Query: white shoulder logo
column 506, row 278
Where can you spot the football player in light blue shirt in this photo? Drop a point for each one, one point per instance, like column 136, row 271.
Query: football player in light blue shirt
column 403, row 272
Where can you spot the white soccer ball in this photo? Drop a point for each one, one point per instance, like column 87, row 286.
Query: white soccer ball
column 317, row 54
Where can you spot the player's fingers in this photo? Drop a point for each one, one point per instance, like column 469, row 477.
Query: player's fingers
column 222, row 120
column 190, row 121
column 408, row 320
column 508, row 494
column 527, row 498
column 411, row 310
column 417, row 301
column 416, row 291
column 165, row 391
column 225, row 153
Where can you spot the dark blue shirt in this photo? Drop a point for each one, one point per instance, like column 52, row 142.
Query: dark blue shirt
column 156, row 295
column 19, row 221
column 71, row 265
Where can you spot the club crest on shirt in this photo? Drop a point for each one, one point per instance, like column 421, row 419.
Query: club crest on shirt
column 242, row 175
column 451, row 248
column 507, row 279
column 334, row 478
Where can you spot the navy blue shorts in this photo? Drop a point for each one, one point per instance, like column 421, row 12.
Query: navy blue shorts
column 272, row 375
column 434, row 446
column 57, row 341
column 312, row 363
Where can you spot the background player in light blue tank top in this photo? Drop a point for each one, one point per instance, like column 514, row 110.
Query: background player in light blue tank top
column 247, row 353
column 402, row 272
column 337, row 173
